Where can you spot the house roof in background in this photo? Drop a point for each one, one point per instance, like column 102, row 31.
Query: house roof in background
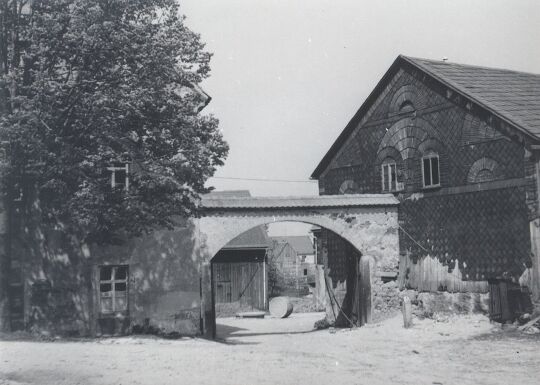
column 300, row 243
column 256, row 238
column 512, row 96
column 350, row 200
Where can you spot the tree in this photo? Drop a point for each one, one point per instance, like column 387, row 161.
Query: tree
column 90, row 84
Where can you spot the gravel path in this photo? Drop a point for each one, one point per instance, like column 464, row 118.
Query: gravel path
column 459, row 350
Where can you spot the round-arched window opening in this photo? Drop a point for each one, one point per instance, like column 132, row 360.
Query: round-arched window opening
column 389, row 175
column 484, row 175
column 406, row 106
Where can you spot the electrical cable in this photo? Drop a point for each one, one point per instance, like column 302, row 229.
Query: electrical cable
column 266, row 180
column 414, row 240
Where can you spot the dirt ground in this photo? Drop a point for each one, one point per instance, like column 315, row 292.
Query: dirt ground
column 456, row 350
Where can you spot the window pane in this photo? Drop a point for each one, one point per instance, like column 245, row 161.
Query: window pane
column 435, row 170
column 427, row 172
column 393, row 178
column 105, row 287
column 106, row 305
column 120, row 286
column 121, row 272
column 120, row 303
column 105, row 273
column 385, row 178
column 119, row 178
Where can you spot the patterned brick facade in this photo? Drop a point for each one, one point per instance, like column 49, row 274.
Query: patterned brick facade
column 480, row 213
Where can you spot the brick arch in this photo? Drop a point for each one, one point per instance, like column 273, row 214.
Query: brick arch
column 406, row 136
column 483, row 170
column 388, row 152
column 405, row 94
column 476, row 130
column 348, row 187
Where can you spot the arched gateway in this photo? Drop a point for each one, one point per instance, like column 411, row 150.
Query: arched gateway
column 369, row 222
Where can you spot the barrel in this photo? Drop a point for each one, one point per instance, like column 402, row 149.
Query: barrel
column 280, row 307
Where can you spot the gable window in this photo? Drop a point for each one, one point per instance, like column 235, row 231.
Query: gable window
column 113, row 289
column 120, row 176
column 389, row 175
column 430, row 170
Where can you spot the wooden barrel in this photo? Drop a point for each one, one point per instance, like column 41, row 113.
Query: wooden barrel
column 280, row 307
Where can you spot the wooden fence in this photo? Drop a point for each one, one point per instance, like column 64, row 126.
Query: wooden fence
column 428, row 274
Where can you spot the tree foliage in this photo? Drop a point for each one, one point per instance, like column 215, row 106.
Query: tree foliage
column 88, row 84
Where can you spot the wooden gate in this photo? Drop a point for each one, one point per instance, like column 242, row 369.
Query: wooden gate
column 242, row 282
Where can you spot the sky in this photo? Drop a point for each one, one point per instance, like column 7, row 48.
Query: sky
column 288, row 75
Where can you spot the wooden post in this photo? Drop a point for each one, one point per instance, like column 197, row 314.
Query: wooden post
column 365, row 290
column 319, row 297
column 535, row 238
column 406, row 309
column 534, row 227
column 207, row 311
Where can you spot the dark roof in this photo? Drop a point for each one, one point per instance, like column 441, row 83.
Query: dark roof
column 512, row 96
column 350, row 200
column 255, row 238
column 300, row 243
column 229, row 194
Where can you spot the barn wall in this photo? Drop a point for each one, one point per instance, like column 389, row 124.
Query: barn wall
column 239, row 276
column 480, row 228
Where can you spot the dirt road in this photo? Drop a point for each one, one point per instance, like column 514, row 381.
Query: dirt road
column 460, row 350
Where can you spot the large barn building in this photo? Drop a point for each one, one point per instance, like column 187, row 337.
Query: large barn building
column 459, row 146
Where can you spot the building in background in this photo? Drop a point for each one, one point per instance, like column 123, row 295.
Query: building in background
column 240, row 275
column 239, row 271
column 292, row 265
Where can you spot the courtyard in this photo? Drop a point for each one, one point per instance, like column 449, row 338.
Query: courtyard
column 443, row 350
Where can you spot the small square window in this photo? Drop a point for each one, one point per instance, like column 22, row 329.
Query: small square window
column 305, row 271
column 120, row 176
column 430, row 170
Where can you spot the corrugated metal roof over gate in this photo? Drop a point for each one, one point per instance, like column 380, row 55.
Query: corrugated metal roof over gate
column 326, row 201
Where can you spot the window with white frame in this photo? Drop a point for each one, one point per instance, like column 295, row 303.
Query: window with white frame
column 120, row 176
column 430, row 170
column 113, row 289
column 389, row 175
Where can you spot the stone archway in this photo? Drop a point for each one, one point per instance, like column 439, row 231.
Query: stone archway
column 368, row 222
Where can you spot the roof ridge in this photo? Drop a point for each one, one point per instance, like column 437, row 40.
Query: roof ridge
column 469, row 65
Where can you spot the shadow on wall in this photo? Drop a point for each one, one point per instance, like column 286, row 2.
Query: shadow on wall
column 62, row 291
column 164, row 279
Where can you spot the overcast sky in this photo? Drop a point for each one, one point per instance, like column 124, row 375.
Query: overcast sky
column 287, row 75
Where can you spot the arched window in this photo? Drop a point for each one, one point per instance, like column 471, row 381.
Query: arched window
column 348, row 187
column 484, row 170
column 389, row 175
column 406, row 106
column 430, row 170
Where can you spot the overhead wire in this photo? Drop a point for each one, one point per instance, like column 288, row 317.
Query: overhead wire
column 265, row 179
